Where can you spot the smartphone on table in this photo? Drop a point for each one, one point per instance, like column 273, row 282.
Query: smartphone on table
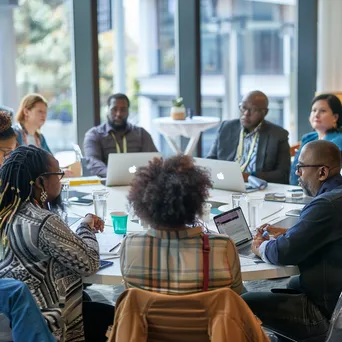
column 80, row 201
column 293, row 212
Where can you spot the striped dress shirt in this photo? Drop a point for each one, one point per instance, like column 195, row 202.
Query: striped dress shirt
column 171, row 262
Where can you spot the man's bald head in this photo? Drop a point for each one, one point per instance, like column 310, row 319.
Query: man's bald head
column 257, row 97
column 253, row 109
column 318, row 161
column 323, row 152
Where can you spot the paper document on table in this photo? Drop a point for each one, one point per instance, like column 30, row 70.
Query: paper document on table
column 247, row 262
column 108, row 241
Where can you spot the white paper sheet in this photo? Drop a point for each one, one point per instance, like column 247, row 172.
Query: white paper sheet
column 107, row 241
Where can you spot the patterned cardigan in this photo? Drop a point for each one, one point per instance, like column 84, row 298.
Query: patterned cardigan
column 45, row 254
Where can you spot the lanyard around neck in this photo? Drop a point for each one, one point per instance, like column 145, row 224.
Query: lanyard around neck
column 124, row 143
column 240, row 150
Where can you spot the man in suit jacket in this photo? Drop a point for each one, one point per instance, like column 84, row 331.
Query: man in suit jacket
column 261, row 148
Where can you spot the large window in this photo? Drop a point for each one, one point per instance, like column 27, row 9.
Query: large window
column 166, row 36
column 43, row 64
column 107, row 52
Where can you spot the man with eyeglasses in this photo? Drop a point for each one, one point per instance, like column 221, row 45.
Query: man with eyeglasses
column 260, row 147
column 314, row 243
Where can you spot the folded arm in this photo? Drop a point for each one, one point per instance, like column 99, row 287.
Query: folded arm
column 78, row 252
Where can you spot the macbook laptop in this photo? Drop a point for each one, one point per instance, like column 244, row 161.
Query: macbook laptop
column 226, row 175
column 122, row 166
column 234, row 224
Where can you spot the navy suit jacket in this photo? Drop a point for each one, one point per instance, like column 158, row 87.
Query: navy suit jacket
column 273, row 160
column 315, row 245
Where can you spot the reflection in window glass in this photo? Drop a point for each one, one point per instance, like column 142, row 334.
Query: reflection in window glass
column 107, row 51
column 43, row 64
column 166, row 36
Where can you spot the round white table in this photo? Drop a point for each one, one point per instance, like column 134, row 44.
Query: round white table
column 117, row 200
column 190, row 128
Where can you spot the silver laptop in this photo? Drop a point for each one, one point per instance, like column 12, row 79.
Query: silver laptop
column 234, row 224
column 122, row 166
column 226, row 175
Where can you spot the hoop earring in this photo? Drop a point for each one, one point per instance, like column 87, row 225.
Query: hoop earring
column 43, row 196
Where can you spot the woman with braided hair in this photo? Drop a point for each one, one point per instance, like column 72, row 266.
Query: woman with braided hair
column 8, row 138
column 38, row 248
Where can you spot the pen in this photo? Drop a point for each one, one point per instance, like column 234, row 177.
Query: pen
column 117, row 245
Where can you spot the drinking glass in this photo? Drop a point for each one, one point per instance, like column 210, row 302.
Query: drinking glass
column 100, row 203
column 236, row 200
column 119, row 220
column 254, row 205
column 206, row 208
column 65, row 192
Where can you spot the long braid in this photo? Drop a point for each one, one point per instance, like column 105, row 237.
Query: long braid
column 17, row 177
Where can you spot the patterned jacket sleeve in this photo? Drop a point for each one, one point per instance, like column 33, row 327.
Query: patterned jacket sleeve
column 78, row 252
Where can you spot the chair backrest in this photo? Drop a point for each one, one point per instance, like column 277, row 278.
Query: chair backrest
column 335, row 329
column 143, row 316
column 294, row 149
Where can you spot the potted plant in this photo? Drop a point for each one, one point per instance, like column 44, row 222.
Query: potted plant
column 178, row 110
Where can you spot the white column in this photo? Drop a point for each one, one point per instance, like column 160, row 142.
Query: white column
column 118, row 15
column 231, row 77
column 329, row 70
column 148, row 63
column 8, row 84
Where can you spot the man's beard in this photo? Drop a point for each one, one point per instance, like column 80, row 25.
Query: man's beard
column 306, row 189
column 117, row 127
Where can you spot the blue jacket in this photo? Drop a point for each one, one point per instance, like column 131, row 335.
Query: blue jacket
column 335, row 137
column 19, row 131
column 315, row 245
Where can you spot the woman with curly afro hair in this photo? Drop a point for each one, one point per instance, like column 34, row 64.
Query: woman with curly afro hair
column 8, row 138
column 168, row 258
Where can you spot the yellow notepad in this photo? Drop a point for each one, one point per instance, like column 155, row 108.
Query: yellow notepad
column 84, row 181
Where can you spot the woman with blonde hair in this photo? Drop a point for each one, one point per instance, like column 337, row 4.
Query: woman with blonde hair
column 30, row 117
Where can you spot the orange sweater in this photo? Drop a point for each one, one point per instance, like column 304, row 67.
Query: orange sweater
column 216, row 316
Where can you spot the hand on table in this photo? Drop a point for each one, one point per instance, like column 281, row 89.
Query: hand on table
column 245, row 176
column 94, row 222
column 258, row 239
column 272, row 230
column 260, row 236
column 68, row 173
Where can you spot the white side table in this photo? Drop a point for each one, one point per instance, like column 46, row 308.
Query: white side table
column 190, row 128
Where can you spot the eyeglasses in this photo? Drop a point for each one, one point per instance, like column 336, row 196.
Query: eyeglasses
column 60, row 174
column 254, row 110
column 6, row 152
column 299, row 166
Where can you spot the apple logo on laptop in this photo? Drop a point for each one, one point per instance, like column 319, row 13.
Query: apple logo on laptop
column 132, row 169
column 220, row 176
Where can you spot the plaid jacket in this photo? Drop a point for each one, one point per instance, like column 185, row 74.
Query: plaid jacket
column 171, row 262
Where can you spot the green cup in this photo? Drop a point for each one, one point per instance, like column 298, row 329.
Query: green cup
column 119, row 220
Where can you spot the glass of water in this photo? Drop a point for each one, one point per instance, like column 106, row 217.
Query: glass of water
column 100, row 203
column 254, row 205
column 236, row 200
column 65, row 192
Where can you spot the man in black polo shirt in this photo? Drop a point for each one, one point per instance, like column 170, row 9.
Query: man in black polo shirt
column 314, row 244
